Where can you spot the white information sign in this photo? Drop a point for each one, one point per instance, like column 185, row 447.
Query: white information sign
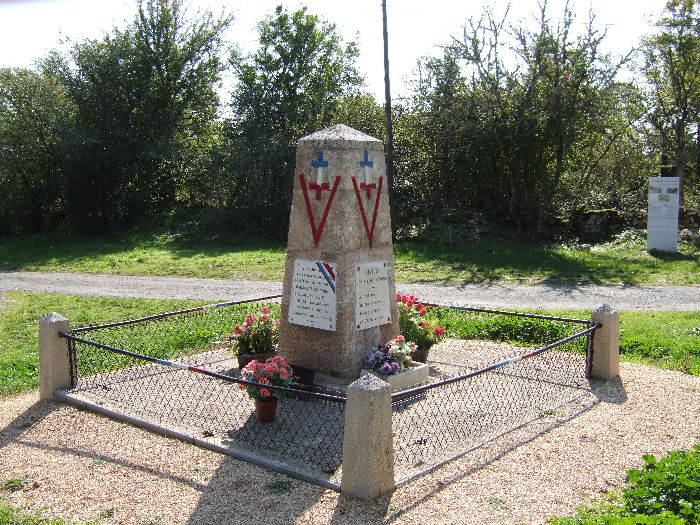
column 662, row 219
column 313, row 300
column 372, row 301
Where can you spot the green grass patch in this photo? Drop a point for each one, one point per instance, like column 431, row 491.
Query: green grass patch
column 14, row 484
column 497, row 261
column 19, row 330
column 668, row 340
column 461, row 324
column 254, row 258
column 237, row 257
column 13, row 515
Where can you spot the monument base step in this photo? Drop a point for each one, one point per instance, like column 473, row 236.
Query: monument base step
column 415, row 375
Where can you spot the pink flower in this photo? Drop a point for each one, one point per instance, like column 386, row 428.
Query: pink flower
column 419, row 306
column 284, row 374
column 438, row 330
column 423, row 312
column 265, row 310
column 238, row 330
column 264, row 392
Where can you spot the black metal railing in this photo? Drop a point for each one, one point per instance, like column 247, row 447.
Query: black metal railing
column 199, row 393
column 481, row 389
column 175, row 370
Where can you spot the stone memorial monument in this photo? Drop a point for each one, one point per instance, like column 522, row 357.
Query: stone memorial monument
column 662, row 218
column 339, row 296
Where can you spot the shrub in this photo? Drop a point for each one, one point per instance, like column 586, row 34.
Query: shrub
column 661, row 492
column 670, row 484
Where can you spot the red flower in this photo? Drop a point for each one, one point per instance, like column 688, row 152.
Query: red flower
column 423, row 312
column 438, row 330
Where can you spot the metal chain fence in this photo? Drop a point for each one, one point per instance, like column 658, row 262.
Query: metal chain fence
column 201, row 395
column 481, row 388
column 175, row 371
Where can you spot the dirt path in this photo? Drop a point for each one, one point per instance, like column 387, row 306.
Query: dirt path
column 81, row 465
column 680, row 298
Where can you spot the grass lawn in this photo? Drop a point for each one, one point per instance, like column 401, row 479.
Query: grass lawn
column 665, row 339
column 623, row 261
column 13, row 515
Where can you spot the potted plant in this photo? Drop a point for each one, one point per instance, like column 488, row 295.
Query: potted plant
column 256, row 338
column 417, row 324
column 274, row 371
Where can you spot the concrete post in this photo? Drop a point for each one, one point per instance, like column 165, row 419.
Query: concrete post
column 606, row 344
column 368, row 448
column 54, row 364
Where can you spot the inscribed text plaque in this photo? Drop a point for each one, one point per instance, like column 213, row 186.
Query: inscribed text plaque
column 372, row 301
column 312, row 299
column 662, row 219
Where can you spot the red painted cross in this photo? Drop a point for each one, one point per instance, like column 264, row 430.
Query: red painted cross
column 368, row 188
column 318, row 188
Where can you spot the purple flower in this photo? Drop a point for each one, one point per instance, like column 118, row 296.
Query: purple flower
column 395, row 368
column 386, row 369
column 369, row 357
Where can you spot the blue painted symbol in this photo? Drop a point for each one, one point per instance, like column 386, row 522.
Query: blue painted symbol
column 367, row 163
column 319, row 163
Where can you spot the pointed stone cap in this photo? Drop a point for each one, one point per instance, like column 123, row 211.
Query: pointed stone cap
column 342, row 137
column 369, row 383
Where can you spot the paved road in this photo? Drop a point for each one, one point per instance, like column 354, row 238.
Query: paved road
column 685, row 298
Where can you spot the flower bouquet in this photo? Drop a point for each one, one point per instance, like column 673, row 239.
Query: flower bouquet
column 255, row 338
column 390, row 358
column 417, row 324
column 276, row 372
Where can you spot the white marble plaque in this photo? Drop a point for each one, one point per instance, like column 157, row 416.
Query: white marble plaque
column 372, row 301
column 662, row 219
column 313, row 300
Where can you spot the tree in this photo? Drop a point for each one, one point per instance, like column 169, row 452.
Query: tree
column 289, row 87
column 509, row 141
column 672, row 70
column 142, row 96
column 34, row 119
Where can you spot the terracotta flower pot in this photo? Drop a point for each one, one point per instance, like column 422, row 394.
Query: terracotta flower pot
column 420, row 356
column 266, row 409
column 244, row 359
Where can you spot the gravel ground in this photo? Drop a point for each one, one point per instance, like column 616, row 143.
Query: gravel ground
column 680, row 298
column 80, row 465
column 83, row 466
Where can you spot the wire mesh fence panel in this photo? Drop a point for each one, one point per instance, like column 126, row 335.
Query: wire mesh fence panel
column 306, row 434
column 430, row 426
column 169, row 335
column 437, row 424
